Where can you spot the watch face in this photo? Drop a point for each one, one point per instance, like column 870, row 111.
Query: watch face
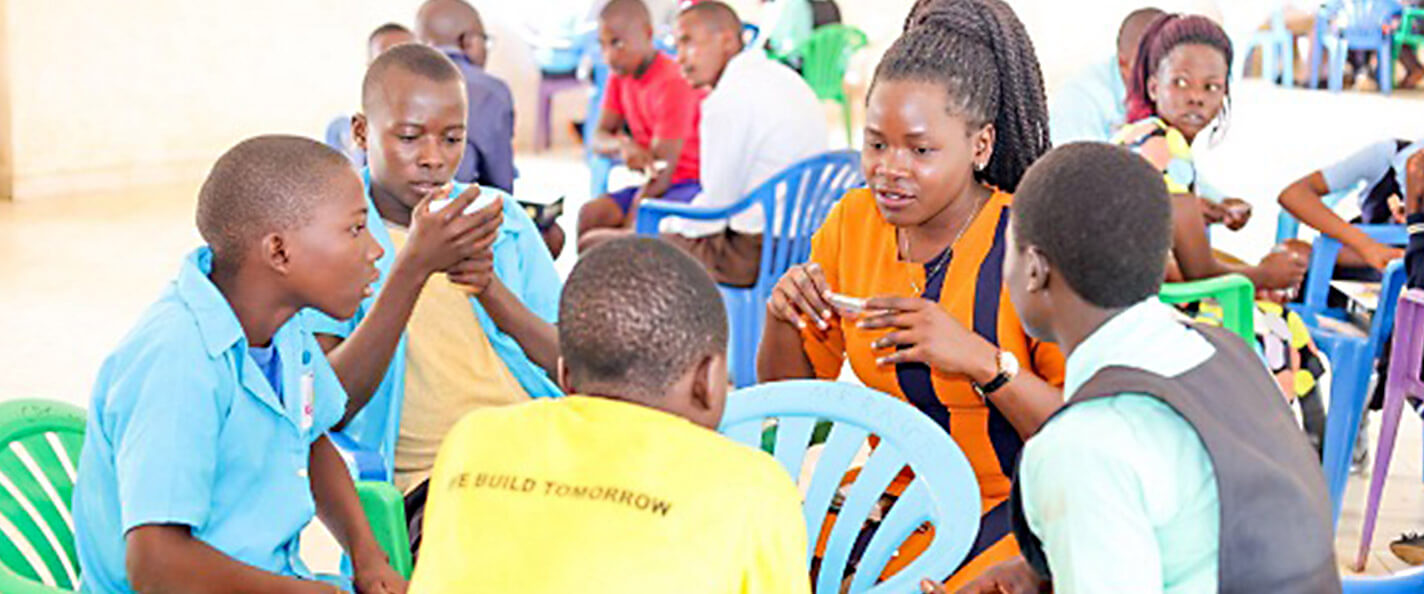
column 1008, row 363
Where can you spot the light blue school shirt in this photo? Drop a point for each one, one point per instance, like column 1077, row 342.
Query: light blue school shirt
column 1090, row 106
column 521, row 261
column 184, row 428
column 1121, row 490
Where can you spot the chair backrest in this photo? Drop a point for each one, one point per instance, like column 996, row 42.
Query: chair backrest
column 798, row 200
column 39, row 452
column 385, row 510
column 1408, row 344
column 1323, row 255
column 1233, row 292
column 943, row 493
column 825, row 57
column 1362, row 21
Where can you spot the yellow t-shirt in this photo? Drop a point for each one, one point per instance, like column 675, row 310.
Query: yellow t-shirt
column 450, row 369
column 587, row 494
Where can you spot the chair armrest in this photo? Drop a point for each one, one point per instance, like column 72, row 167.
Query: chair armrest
column 651, row 212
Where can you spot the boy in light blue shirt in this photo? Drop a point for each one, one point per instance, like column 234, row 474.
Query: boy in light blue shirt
column 1175, row 465
column 205, row 453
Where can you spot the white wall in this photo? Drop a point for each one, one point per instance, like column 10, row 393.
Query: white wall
column 106, row 94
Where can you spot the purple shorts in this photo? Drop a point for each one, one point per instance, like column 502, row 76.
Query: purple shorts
column 683, row 191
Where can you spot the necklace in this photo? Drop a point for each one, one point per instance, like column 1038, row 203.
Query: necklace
column 945, row 256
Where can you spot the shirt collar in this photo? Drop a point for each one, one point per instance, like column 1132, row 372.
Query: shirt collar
column 1135, row 329
column 217, row 323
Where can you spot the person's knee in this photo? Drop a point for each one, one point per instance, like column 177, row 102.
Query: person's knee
column 598, row 213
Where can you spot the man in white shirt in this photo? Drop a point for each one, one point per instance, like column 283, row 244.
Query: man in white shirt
column 759, row 119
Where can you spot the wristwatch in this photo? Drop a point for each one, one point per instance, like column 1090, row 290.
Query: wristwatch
column 1008, row 366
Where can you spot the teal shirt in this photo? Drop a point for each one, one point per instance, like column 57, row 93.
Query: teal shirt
column 792, row 26
column 1090, row 106
column 521, row 261
column 1121, row 490
column 185, row 428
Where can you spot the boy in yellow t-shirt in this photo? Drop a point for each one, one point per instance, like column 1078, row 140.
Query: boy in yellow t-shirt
column 623, row 486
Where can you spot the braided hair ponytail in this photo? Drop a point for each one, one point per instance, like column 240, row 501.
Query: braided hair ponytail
column 981, row 53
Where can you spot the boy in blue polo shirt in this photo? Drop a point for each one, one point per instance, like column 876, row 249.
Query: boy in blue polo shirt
column 480, row 335
column 205, row 453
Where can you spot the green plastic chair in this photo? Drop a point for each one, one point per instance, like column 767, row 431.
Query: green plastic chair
column 39, row 454
column 1411, row 29
column 824, row 59
column 385, row 510
column 1233, row 292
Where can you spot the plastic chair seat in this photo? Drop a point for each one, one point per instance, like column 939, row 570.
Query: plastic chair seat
column 1350, row 356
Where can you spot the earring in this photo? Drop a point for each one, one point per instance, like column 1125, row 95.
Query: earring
column 979, row 166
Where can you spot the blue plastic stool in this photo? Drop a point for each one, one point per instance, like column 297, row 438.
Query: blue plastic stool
column 1361, row 27
column 1277, row 47
column 810, row 188
column 944, row 491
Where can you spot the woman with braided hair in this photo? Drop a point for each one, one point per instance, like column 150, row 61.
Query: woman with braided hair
column 954, row 116
column 1179, row 88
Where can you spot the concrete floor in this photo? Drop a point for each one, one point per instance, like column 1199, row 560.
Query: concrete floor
column 76, row 272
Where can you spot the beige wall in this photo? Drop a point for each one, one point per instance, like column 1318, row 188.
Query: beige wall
column 105, row 94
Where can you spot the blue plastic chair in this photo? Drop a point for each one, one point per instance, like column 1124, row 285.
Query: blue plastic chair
column 1407, row 582
column 1351, row 357
column 808, row 190
column 1360, row 26
column 944, row 491
column 1277, row 47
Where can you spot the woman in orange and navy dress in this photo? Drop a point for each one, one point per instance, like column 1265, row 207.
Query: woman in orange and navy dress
column 954, row 116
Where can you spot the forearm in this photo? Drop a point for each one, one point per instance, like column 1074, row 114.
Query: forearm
column 782, row 356
column 606, row 142
column 538, row 338
column 1026, row 401
column 1190, row 245
column 658, row 184
column 167, row 558
column 338, row 505
column 1304, row 204
column 360, row 361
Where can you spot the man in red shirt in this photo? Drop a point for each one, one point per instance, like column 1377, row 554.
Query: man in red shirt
column 648, row 95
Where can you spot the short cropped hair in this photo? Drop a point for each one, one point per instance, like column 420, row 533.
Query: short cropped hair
column 387, row 28
column 635, row 315
column 263, row 185
column 1101, row 216
column 414, row 58
column 634, row 9
column 714, row 15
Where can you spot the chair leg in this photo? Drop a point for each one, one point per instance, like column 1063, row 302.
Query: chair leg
column 1389, row 427
column 845, row 115
column 1337, row 66
column 1386, row 67
column 1347, row 399
column 542, row 133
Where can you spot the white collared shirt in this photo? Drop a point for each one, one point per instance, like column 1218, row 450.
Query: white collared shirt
column 760, row 119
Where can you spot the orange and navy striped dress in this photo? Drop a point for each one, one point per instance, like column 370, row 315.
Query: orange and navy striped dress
column 857, row 249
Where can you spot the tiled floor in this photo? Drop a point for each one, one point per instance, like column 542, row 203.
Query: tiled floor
column 75, row 272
